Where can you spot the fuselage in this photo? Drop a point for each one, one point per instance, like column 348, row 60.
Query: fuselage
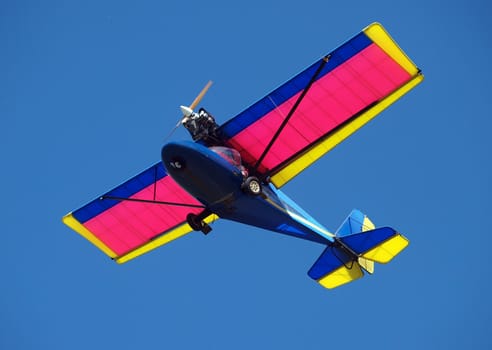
column 216, row 182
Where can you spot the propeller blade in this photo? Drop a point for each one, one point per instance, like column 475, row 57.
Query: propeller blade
column 172, row 131
column 200, row 95
column 188, row 111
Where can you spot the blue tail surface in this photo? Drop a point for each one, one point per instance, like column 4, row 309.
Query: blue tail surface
column 358, row 244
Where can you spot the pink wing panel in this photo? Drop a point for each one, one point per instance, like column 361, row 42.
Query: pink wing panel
column 128, row 224
column 334, row 99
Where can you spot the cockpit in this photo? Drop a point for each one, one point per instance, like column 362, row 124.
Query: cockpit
column 232, row 156
column 229, row 154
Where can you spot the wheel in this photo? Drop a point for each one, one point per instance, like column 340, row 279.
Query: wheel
column 252, row 185
column 193, row 222
column 197, row 224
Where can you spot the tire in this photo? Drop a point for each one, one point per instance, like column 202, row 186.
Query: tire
column 196, row 224
column 192, row 220
column 252, row 186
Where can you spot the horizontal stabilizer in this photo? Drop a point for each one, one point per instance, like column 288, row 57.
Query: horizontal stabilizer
column 334, row 268
column 342, row 275
column 379, row 245
column 344, row 260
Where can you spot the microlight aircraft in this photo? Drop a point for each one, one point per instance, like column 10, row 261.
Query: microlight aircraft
column 235, row 171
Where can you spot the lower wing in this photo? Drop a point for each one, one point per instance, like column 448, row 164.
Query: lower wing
column 144, row 213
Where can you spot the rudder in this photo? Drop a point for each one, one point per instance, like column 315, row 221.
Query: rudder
column 356, row 222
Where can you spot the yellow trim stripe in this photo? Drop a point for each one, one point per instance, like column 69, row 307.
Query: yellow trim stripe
column 304, row 160
column 341, row 276
column 380, row 37
column 386, row 251
column 75, row 225
column 178, row 232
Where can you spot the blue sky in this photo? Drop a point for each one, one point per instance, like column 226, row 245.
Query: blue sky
column 89, row 90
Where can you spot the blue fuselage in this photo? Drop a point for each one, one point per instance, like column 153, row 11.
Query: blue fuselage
column 216, row 183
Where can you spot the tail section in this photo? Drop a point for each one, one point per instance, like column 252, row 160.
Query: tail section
column 380, row 245
column 335, row 267
column 358, row 244
column 354, row 223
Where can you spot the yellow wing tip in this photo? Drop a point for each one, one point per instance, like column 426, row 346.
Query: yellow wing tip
column 373, row 24
column 67, row 218
column 178, row 232
column 75, row 225
column 378, row 34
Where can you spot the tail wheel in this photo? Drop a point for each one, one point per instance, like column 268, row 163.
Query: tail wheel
column 252, row 186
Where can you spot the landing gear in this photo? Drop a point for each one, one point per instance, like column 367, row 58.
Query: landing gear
column 196, row 223
column 252, row 186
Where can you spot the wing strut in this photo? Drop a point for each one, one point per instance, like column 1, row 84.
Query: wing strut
column 152, row 202
column 324, row 61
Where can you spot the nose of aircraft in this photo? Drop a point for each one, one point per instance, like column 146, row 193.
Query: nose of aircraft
column 174, row 156
column 200, row 171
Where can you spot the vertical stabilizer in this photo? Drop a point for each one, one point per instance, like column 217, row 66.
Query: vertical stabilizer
column 354, row 223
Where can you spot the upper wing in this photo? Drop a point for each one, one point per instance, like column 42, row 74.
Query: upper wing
column 125, row 229
column 322, row 105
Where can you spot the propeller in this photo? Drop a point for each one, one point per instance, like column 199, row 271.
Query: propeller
column 187, row 111
column 202, row 93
